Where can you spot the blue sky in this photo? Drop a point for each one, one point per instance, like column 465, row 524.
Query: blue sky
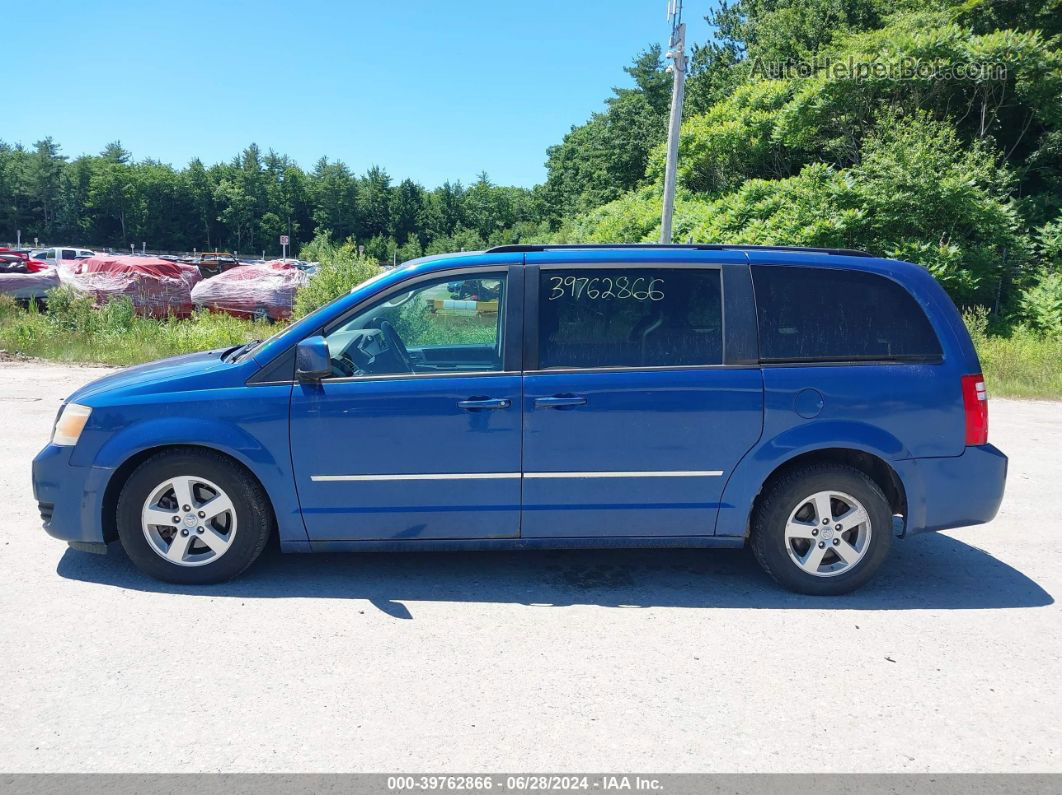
column 428, row 90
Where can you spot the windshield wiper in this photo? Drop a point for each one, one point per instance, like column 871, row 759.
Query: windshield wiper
column 236, row 353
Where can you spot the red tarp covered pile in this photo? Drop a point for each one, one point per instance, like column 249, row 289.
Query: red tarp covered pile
column 28, row 285
column 265, row 290
column 156, row 287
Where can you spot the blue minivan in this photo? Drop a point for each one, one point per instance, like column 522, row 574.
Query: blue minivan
column 811, row 403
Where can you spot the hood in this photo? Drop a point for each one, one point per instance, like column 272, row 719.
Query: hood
column 165, row 375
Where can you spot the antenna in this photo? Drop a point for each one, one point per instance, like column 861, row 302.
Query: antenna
column 674, row 13
column 676, row 53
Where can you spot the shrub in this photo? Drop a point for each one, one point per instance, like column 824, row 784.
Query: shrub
column 341, row 268
column 1049, row 243
column 917, row 196
column 1040, row 306
column 8, row 307
column 733, row 141
column 628, row 219
column 70, row 310
column 117, row 315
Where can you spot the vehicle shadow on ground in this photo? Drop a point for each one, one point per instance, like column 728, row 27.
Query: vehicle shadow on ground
column 931, row 572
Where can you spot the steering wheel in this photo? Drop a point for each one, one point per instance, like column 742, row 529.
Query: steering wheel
column 344, row 367
column 394, row 342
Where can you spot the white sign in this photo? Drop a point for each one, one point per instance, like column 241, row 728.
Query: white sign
column 284, row 240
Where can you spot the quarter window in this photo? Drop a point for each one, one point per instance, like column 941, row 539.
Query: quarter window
column 629, row 317
column 826, row 314
column 435, row 327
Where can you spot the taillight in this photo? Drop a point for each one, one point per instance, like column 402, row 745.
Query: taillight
column 975, row 406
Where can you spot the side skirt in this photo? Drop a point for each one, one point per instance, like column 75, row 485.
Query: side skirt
column 473, row 544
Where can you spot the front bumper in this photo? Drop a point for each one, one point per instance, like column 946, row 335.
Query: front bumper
column 70, row 497
column 954, row 491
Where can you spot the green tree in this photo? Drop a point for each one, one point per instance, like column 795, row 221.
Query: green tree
column 236, row 211
column 334, row 192
column 113, row 197
column 374, row 204
column 598, row 161
column 407, row 208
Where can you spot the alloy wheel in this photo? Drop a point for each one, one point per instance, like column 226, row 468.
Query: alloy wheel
column 828, row 533
column 189, row 521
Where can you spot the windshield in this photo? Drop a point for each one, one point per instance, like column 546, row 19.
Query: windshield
column 250, row 347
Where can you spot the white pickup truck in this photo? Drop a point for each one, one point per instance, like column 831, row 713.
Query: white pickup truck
column 53, row 255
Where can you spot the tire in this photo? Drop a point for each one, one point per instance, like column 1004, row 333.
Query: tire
column 204, row 541
column 790, row 541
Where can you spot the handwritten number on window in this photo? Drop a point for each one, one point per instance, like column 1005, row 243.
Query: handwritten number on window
column 578, row 288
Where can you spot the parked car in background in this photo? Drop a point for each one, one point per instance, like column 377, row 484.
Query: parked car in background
column 157, row 288
column 22, row 284
column 813, row 404
column 13, row 263
column 57, row 254
column 264, row 290
column 32, row 265
column 216, row 262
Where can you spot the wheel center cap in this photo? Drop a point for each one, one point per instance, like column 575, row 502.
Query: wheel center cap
column 190, row 520
column 827, row 533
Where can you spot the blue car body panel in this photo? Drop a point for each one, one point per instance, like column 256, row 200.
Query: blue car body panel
column 532, row 476
column 188, row 400
column 698, row 423
column 954, row 491
column 374, row 429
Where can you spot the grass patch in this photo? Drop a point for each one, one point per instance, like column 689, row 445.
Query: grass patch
column 1020, row 363
column 73, row 330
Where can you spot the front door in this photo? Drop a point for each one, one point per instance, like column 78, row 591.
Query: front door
column 632, row 421
column 417, row 433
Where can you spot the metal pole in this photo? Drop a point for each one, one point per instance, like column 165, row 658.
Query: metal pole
column 678, row 70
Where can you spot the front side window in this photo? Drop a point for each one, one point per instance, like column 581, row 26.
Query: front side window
column 629, row 317
column 829, row 314
column 435, row 327
column 68, row 253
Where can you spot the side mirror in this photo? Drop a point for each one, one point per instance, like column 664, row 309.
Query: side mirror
column 312, row 361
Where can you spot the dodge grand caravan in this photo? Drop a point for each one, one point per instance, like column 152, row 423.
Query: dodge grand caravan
column 812, row 404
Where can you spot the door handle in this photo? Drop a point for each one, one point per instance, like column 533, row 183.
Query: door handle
column 560, row 402
column 484, row 403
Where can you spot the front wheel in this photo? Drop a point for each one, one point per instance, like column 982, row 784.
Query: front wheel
column 192, row 517
column 822, row 530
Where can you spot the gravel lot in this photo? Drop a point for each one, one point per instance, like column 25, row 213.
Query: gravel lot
column 603, row 661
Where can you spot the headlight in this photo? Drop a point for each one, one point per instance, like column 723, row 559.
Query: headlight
column 70, row 424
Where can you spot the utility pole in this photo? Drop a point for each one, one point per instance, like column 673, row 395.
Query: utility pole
column 677, row 54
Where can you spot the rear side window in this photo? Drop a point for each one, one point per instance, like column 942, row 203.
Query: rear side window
column 629, row 317
column 68, row 253
column 823, row 314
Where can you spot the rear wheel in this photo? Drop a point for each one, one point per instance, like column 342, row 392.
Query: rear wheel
column 193, row 517
column 822, row 529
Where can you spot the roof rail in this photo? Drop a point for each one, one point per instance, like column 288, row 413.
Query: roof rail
column 531, row 247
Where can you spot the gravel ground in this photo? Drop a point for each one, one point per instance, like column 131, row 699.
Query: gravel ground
column 662, row 661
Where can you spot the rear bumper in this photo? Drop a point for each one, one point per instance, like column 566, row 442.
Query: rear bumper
column 70, row 498
column 953, row 492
